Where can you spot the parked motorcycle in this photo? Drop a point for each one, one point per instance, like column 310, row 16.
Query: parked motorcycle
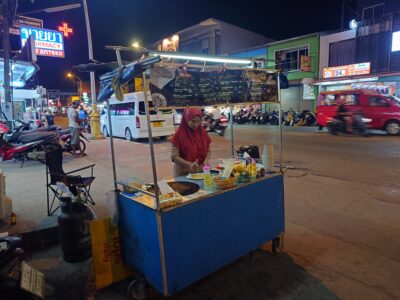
column 218, row 126
column 359, row 125
column 263, row 118
column 64, row 138
column 309, row 119
column 242, row 117
column 274, row 118
column 9, row 151
column 18, row 136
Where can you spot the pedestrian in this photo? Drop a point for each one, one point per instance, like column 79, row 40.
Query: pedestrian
column 49, row 118
column 190, row 144
column 83, row 116
column 75, row 128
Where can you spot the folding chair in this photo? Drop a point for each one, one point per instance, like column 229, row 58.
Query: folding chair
column 77, row 184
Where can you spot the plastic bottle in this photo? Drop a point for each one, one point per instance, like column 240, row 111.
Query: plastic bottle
column 253, row 167
column 207, row 178
column 66, row 193
column 13, row 218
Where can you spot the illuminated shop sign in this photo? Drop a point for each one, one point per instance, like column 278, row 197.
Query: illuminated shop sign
column 348, row 70
column 47, row 42
column 396, row 41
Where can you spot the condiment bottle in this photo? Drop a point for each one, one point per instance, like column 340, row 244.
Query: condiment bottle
column 207, row 177
column 253, row 167
column 13, row 218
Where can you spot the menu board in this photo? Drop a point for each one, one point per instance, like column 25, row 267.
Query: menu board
column 177, row 87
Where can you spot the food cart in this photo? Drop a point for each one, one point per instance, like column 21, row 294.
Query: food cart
column 175, row 245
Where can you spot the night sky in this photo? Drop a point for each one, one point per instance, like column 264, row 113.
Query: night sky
column 119, row 22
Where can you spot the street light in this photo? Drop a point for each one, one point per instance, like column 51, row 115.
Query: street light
column 136, row 45
column 72, row 76
column 51, row 9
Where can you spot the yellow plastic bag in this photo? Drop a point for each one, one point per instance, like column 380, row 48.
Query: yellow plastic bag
column 107, row 256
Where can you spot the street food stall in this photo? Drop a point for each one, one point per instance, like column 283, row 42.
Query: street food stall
column 176, row 231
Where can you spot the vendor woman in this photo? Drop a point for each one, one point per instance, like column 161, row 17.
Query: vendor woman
column 190, row 144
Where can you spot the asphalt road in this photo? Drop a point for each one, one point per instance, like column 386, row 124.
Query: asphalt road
column 342, row 202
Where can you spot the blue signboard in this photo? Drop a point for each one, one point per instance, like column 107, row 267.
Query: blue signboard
column 47, row 42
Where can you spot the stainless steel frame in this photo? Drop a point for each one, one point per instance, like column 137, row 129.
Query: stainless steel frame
column 112, row 145
column 154, row 168
column 156, row 190
column 153, row 159
column 280, row 122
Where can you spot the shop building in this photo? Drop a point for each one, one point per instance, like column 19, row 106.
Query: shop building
column 366, row 57
column 212, row 37
column 298, row 58
column 21, row 72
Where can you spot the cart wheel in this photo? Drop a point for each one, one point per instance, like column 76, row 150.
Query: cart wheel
column 277, row 245
column 137, row 290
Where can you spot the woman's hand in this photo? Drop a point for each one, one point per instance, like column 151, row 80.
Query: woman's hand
column 194, row 168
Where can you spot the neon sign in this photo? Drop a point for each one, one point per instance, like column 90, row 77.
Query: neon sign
column 65, row 29
column 47, row 42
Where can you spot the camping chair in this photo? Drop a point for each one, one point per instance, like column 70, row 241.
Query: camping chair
column 77, row 184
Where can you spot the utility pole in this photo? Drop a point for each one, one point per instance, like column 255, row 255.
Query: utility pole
column 6, row 53
column 95, row 116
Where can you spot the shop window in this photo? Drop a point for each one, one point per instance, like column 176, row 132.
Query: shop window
column 217, row 42
column 377, row 101
column 204, row 46
column 372, row 14
column 290, row 60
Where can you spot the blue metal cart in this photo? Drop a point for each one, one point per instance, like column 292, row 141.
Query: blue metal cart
column 176, row 246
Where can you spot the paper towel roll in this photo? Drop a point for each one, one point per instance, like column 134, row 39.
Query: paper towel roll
column 268, row 158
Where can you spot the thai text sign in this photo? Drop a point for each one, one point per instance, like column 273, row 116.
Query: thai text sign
column 107, row 256
column 177, row 87
column 27, row 21
column 348, row 70
column 47, row 42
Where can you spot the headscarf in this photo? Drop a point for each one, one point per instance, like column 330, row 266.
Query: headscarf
column 192, row 144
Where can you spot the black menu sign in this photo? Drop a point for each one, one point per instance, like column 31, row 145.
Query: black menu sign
column 179, row 88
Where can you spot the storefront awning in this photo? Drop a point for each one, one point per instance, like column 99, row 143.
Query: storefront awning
column 21, row 71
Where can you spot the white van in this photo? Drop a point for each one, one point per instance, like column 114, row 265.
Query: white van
column 128, row 118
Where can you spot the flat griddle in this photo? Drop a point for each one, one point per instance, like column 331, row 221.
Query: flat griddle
column 182, row 187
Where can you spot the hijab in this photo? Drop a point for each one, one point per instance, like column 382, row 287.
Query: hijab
column 192, row 144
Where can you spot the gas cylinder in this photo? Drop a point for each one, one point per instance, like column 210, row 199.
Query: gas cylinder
column 73, row 227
